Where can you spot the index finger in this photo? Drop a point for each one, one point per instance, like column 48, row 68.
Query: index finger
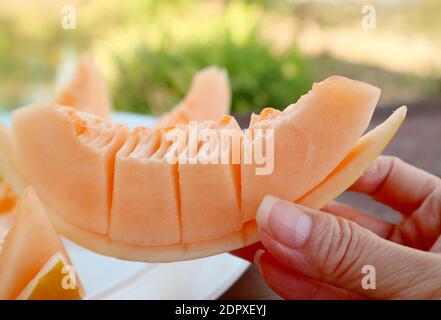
column 397, row 184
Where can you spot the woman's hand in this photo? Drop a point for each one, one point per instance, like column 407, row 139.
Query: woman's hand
column 309, row 254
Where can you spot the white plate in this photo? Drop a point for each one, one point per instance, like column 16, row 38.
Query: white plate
column 109, row 278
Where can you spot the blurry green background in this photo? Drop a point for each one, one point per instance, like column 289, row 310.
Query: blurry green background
column 148, row 51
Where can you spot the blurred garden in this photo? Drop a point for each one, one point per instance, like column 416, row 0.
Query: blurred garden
column 273, row 51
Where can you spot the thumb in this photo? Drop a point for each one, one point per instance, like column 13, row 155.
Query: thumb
column 337, row 251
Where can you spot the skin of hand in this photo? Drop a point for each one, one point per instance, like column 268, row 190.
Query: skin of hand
column 311, row 254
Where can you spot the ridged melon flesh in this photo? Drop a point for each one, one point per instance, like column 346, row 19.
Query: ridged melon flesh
column 210, row 191
column 72, row 162
column 145, row 207
column 29, row 244
column 161, row 211
column 86, row 91
column 311, row 137
column 208, row 99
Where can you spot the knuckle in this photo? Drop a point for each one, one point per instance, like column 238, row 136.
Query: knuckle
column 339, row 248
column 389, row 160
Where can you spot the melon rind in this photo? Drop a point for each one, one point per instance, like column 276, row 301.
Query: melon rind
column 105, row 246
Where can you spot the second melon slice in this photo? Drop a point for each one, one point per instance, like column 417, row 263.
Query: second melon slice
column 208, row 99
column 86, row 91
column 29, row 244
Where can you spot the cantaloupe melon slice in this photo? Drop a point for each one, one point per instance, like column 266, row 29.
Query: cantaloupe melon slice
column 29, row 244
column 311, row 137
column 359, row 158
column 147, row 243
column 48, row 283
column 86, row 90
column 208, row 99
column 84, row 196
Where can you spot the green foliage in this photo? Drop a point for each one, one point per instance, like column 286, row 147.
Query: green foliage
column 148, row 51
column 155, row 79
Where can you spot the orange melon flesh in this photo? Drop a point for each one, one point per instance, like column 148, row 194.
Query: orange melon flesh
column 55, row 157
column 145, row 205
column 265, row 114
column 209, row 191
column 311, row 138
column 86, row 91
column 29, row 244
column 8, row 199
column 358, row 159
column 208, row 99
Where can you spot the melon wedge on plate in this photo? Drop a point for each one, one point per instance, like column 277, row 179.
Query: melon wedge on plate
column 208, row 99
column 28, row 246
column 119, row 195
column 86, row 90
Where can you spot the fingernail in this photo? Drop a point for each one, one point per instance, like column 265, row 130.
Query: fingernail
column 284, row 221
column 264, row 209
column 257, row 256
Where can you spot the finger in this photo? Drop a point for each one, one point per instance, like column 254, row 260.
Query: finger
column 436, row 248
column 397, row 184
column 421, row 229
column 380, row 228
column 248, row 253
column 334, row 250
column 290, row 284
